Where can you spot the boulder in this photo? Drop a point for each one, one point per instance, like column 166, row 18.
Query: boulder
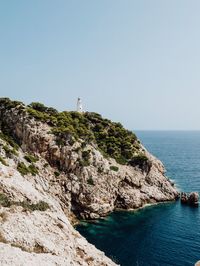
column 184, row 198
column 190, row 198
column 194, row 198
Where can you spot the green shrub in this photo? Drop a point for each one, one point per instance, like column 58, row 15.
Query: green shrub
column 9, row 139
column 51, row 111
column 21, row 167
column 9, row 152
column 4, row 200
column 15, row 152
column 121, row 160
column 40, row 206
column 38, row 115
column 33, row 169
column 111, row 138
column 30, row 158
column 45, row 165
column 56, row 173
column 38, row 106
column 114, row 168
column 86, row 154
column 3, row 161
column 90, row 181
column 100, row 170
column 8, row 104
column 83, row 145
column 42, row 108
column 85, row 158
column 140, row 160
column 84, row 163
column 24, row 170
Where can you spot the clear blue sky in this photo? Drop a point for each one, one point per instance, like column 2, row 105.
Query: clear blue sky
column 133, row 61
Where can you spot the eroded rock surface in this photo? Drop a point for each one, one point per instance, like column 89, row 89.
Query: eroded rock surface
column 70, row 188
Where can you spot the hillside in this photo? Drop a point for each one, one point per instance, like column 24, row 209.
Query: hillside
column 57, row 167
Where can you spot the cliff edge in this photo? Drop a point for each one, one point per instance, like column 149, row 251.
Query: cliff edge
column 56, row 167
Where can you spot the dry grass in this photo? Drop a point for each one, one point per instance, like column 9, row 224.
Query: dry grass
column 39, row 249
column 19, row 246
column 4, row 216
column 2, row 239
column 89, row 260
column 80, row 252
column 61, row 226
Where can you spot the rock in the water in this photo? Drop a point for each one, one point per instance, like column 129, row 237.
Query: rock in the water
column 184, row 198
column 194, row 198
column 191, row 199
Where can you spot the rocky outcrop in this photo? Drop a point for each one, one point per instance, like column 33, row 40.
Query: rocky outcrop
column 190, row 198
column 38, row 236
column 184, row 198
column 70, row 186
column 94, row 190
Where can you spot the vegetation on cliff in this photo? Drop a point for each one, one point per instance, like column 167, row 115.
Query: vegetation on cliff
column 44, row 185
column 6, row 202
column 111, row 138
column 24, row 170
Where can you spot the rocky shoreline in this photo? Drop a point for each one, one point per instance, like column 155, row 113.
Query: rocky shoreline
column 47, row 183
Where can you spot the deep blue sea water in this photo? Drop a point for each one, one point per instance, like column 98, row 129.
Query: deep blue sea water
column 164, row 234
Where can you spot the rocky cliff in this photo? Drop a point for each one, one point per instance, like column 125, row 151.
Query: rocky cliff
column 57, row 167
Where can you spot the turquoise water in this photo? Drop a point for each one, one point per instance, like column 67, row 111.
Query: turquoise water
column 165, row 234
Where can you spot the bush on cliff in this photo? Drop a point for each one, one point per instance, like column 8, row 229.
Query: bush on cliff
column 90, row 181
column 30, row 158
column 42, row 108
column 39, row 206
column 3, row 161
column 9, row 152
column 8, row 104
column 112, row 139
column 9, row 139
column 142, row 161
column 24, row 170
column 114, row 168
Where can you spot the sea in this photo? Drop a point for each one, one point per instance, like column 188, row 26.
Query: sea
column 166, row 234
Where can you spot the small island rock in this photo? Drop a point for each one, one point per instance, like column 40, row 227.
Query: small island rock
column 194, row 198
column 191, row 199
column 184, row 198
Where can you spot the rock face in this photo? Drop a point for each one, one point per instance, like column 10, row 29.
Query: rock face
column 38, row 236
column 58, row 178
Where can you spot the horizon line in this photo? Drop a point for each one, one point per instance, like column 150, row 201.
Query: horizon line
column 166, row 130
